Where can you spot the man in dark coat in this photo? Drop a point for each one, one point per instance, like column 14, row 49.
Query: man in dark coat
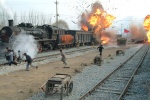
column 100, row 49
column 29, row 62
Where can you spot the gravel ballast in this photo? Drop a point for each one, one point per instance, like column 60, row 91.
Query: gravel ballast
column 89, row 77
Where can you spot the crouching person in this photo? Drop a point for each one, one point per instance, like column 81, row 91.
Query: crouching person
column 29, row 62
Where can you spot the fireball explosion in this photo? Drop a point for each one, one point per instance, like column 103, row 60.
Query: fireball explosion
column 97, row 21
column 147, row 26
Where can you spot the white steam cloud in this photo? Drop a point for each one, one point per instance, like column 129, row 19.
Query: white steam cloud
column 25, row 43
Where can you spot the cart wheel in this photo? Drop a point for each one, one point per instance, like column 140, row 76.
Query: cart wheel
column 65, row 88
column 46, row 94
column 46, row 90
column 70, row 87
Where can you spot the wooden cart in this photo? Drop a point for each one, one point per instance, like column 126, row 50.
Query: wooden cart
column 59, row 83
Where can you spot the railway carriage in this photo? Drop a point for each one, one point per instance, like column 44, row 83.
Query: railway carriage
column 81, row 37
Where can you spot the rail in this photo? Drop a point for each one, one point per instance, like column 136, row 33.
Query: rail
column 102, row 81
column 54, row 55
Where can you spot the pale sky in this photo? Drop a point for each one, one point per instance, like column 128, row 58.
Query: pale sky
column 69, row 10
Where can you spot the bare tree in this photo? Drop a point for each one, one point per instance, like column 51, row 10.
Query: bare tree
column 43, row 20
column 30, row 17
column 50, row 19
column 2, row 14
column 23, row 17
column 61, row 24
column 15, row 19
column 33, row 17
column 4, row 18
column 37, row 19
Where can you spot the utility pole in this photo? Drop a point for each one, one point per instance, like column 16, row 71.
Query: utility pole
column 56, row 13
column 121, row 29
column 92, row 3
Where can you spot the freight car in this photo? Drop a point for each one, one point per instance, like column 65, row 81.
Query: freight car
column 121, row 41
column 81, row 37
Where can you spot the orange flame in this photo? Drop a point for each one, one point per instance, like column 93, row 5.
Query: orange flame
column 97, row 20
column 107, row 22
column 85, row 28
column 101, row 18
column 93, row 20
column 104, row 40
column 147, row 26
column 97, row 29
column 67, row 39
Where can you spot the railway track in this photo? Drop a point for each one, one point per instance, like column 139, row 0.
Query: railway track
column 55, row 55
column 117, row 82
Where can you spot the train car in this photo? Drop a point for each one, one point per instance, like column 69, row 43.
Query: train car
column 121, row 41
column 81, row 37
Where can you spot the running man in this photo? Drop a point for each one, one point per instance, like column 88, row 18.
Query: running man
column 63, row 59
column 29, row 62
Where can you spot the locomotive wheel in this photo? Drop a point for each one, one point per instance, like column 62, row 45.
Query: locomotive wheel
column 70, row 87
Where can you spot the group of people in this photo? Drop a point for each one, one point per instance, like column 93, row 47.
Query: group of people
column 63, row 59
column 29, row 60
column 11, row 56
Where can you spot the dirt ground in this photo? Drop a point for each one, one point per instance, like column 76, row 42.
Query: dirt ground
column 22, row 84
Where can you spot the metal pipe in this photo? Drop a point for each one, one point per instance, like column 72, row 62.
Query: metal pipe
column 10, row 22
column 56, row 13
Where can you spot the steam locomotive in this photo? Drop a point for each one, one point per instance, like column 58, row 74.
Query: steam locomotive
column 48, row 37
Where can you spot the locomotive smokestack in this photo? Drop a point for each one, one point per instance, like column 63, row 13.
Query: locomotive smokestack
column 10, row 22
